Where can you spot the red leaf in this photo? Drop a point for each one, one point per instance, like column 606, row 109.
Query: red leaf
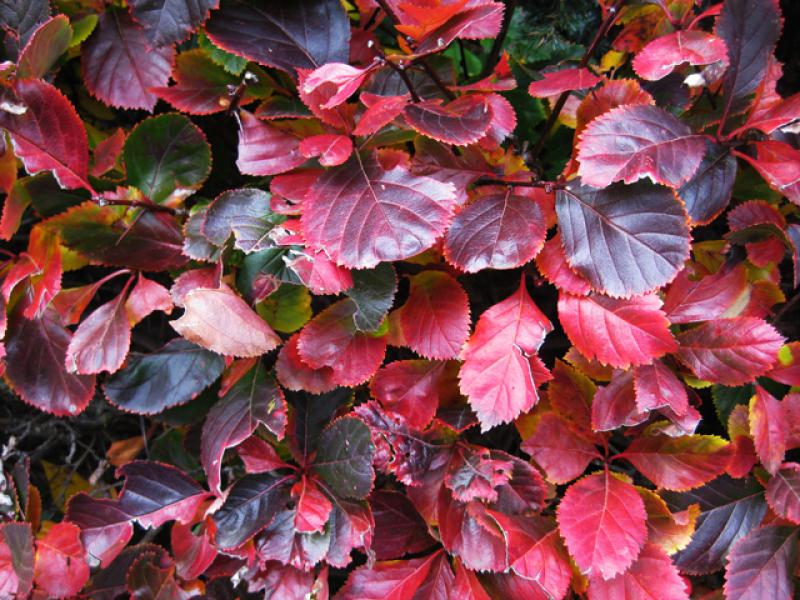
column 35, row 355
column 762, row 564
column 49, row 41
column 390, row 580
column 613, row 93
column 61, row 568
column 376, row 215
column 501, row 369
column 783, row 492
column 49, row 135
column 624, row 240
column 497, row 231
column 614, row 405
column 470, row 534
column 787, row 370
column 193, row 553
column 711, row 297
column 295, row 374
column 779, row 164
column 652, row 576
column 559, row 449
column 678, row 463
column 16, row 559
column 435, row 319
column 155, row 493
column 782, row 113
column 657, row 386
column 105, row 528
column 259, row 456
column 201, row 86
column 399, row 529
column 464, row 121
column 557, row 82
column 320, row 274
column 660, row 57
column 120, row 66
column 467, row 585
column 617, row 332
column 221, row 321
column 147, row 297
column 730, row 351
column 264, row 149
column 252, row 400
column 473, row 474
column 340, row 81
column 313, row 506
column 101, row 342
column 602, row 519
column 381, row 110
column 636, row 141
column 409, row 388
column 769, row 428
column 570, row 395
column 332, row 149
column 552, row 263
column 482, row 20
column 331, row 340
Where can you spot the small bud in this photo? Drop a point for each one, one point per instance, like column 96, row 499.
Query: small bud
column 695, row 80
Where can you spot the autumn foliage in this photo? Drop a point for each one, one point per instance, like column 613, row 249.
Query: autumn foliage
column 393, row 299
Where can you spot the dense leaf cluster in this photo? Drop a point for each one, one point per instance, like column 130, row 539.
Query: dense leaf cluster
column 407, row 301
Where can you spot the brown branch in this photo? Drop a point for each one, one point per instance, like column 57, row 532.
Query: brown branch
column 497, row 46
column 548, row 186
column 136, row 204
column 613, row 12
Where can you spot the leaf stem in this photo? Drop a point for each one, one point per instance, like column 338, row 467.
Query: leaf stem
column 548, row 186
column 137, row 204
column 613, row 12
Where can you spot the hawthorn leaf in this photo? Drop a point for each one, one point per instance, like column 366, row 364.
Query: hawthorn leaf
column 47, row 44
column 658, row 387
column 652, row 575
column 17, row 559
column 331, row 340
column 111, row 581
column 559, row 449
column 729, row 510
column 304, row 34
column 762, row 564
column 236, row 210
column 170, row 21
column 769, row 429
column 552, row 264
column 660, row 57
column 470, row 534
column 264, row 149
column 482, row 20
column 101, row 342
column 381, row 110
column 707, row 193
column 219, row 320
column 193, row 553
column 294, row 374
column 49, row 135
column 570, row 395
column 332, row 149
column 617, row 332
column 119, row 65
column 361, row 214
column 36, row 351
column 319, row 273
column 399, row 529
column 151, row 576
column 334, row 81
column 750, row 44
column 614, row 405
column 251, row 504
column 254, row 399
column 287, row 309
column 672, row 531
column 201, row 85
column 313, row 507
column 711, row 297
column 777, row 162
column 730, row 351
column 389, row 580
column 409, row 388
column 554, row 83
column 171, row 376
column 61, row 569
column 20, row 19
column 624, row 240
column 435, row 319
column 678, row 463
column 462, row 122
column 105, row 528
column 473, row 474
column 783, row 492
column 501, row 370
column 155, row 493
column 602, row 520
column 146, row 297
column 782, row 113
column 373, row 293
column 344, row 458
column 165, row 154
column 497, row 231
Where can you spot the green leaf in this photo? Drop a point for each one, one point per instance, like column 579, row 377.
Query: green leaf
column 82, row 29
column 287, row 309
column 230, row 62
column 344, row 458
column 373, row 293
column 164, row 153
column 727, row 398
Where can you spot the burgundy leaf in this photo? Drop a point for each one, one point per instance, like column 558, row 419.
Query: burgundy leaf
column 101, row 341
column 462, row 122
column 170, row 21
column 264, row 149
column 561, row 451
column 783, row 492
column 762, row 564
column 410, row 388
column 105, row 528
column 652, row 573
column 399, row 529
column 658, row 58
column 690, row 300
column 201, row 86
column 554, row 83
